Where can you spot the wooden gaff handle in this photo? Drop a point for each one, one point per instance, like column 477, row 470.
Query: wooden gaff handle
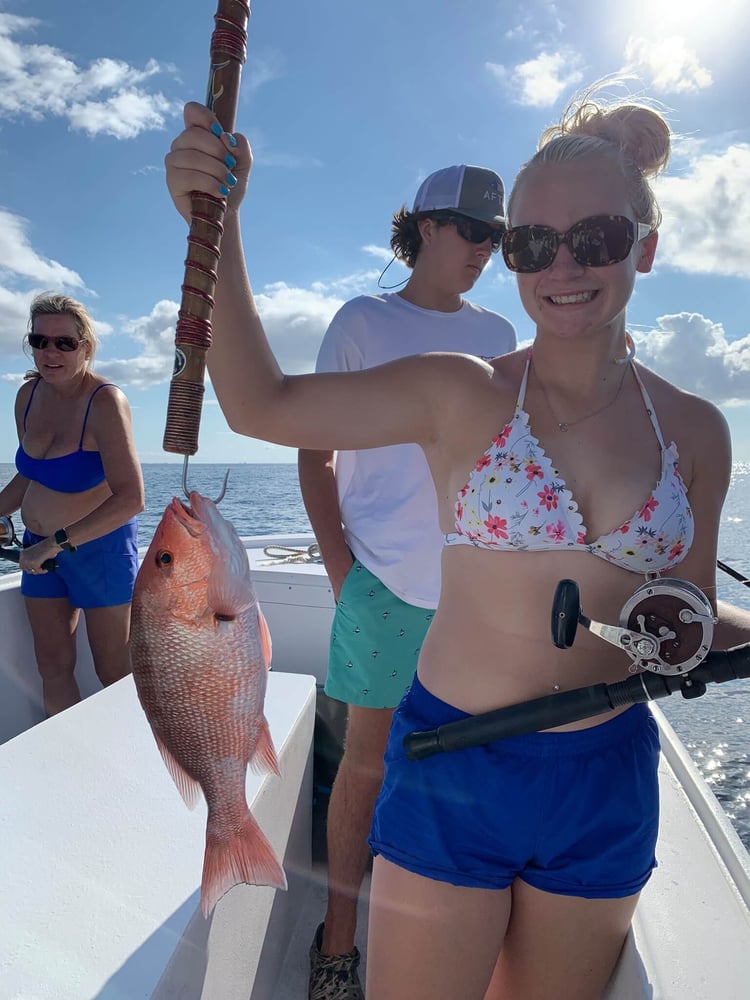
column 193, row 332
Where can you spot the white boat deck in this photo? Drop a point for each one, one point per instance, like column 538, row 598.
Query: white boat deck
column 99, row 898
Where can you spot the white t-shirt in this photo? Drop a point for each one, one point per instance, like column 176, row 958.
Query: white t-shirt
column 387, row 495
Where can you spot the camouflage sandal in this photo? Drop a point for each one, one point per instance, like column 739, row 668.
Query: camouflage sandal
column 333, row 977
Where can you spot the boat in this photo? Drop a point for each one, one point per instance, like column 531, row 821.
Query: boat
column 102, row 861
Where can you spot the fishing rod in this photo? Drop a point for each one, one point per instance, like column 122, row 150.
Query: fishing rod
column 733, row 572
column 228, row 51
column 666, row 628
column 8, row 537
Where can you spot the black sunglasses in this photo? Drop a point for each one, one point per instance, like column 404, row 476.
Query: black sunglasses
column 38, row 341
column 472, row 230
column 598, row 241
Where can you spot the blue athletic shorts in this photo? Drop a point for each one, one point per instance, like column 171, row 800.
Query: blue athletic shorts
column 99, row 574
column 375, row 642
column 574, row 813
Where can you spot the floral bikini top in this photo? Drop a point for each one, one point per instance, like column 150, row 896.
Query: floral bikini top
column 516, row 499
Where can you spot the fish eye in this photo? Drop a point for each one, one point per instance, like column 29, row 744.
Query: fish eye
column 163, row 557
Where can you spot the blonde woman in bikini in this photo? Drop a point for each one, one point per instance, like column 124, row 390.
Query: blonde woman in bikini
column 568, row 460
column 79, row 488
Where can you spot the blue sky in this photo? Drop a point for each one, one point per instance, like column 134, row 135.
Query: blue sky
column 348, row 106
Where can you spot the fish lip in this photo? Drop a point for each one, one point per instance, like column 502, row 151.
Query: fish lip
column 186, row 516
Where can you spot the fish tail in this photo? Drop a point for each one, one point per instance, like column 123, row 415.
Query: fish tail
column 244, row 856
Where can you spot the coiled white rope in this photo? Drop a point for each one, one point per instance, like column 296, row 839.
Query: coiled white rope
column 288, row 554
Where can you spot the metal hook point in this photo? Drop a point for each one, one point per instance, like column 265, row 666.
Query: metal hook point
column 220, row 497
column 186, row 491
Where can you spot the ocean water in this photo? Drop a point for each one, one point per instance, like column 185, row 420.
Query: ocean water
column 260, row 499
column 265, row 499
column 716, row 728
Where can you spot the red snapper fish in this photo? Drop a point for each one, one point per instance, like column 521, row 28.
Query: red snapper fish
column 201, row 649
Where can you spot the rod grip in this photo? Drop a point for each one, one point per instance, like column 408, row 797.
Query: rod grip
column 14, row 555
column 512, row 720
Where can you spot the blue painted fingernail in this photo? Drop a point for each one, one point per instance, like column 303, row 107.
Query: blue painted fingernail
column 217, row 129
column 231, row 180
column 230, row 161
column 231, row 139
column 224, row 190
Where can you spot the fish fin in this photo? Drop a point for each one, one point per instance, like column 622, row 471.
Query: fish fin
column 188, row 787
column 264, row 634
column 264, row 759
column 229, row 593
column 244, row 857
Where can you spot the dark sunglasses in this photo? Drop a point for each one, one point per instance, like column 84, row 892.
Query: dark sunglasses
column 598, row 241
column 38, row 341
column 468, row 229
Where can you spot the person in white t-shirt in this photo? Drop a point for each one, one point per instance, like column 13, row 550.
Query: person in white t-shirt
column 374, row 514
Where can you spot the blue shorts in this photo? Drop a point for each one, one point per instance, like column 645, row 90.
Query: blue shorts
column 375, row 642
column 99, row 574
column 574, row 813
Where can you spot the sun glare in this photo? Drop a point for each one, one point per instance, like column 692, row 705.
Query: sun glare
column 690, row 18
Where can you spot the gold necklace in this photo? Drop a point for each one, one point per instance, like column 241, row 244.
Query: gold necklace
column 565, row 425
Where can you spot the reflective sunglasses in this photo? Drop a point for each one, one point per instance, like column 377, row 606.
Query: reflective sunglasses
column 468, row 229
column 38, row 341
column 598, row 241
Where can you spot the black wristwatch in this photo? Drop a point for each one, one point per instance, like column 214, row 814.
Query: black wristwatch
column 61, row 538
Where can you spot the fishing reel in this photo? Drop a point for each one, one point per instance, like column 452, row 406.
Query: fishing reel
column 666, row 626
column 7, row 532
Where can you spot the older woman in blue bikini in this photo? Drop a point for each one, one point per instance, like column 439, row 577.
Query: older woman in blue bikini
column 569, row 460
column 79, row 488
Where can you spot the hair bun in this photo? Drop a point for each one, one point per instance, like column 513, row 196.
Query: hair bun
column 642, row 133
column 639, row 130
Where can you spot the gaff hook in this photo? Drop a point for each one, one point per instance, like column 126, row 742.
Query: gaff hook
column 186, row 491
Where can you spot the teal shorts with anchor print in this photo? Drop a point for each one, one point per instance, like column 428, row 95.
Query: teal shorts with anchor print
column 375, row 642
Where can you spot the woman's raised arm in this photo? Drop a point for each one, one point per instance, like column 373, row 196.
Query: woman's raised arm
column 391, row 404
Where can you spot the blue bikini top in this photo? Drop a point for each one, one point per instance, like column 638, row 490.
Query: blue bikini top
column 74, row 473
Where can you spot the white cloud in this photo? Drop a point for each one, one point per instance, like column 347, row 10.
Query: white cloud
column 14, row 315
column 539, row 82
column 155, row 335
column 707, row 212
column 108, row 97
column 123, row 115
column 138, row 373
column 528, row 20
column 382, row 253
column 18, row 258
column 263, row 68
column 350, row 284
column 669, row 66
column 294, row 319
column 24, row 272
column 693, row 352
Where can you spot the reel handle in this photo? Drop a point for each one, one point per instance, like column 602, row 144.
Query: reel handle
column 566, row 613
